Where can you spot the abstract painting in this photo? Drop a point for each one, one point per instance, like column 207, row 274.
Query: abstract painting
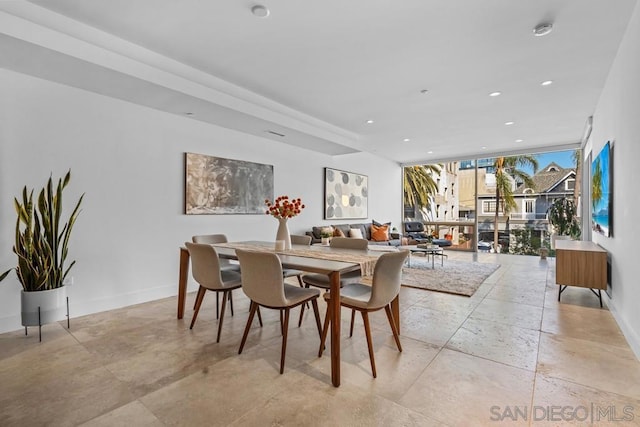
column 601, row 202
column 346, row 194
column 214, row 185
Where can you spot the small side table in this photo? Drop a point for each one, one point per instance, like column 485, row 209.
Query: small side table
column 433, row 251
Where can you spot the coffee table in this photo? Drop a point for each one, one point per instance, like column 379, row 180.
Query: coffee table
column 433, row 251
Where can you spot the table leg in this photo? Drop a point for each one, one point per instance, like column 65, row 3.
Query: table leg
column 335, row 328
column 182, row 281
column 433, row 259
column 395, row 310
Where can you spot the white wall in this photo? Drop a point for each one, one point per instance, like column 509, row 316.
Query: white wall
column 616, row 120
column 128, row 160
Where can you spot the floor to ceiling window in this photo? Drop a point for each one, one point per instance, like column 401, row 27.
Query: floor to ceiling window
column 471, row 199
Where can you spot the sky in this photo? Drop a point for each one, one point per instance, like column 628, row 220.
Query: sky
column 561, row 158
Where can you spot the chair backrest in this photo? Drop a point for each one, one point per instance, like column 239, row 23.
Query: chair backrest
column 210, row 239
column 262, row 278
column 205, row 265
column 387, row 277
column 349, row 243
column 413, row 227
column 299, row 239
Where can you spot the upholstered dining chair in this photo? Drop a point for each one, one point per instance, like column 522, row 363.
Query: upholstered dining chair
column 297, row 239
column 263, row 283
column 205, row 266
column 385, row 287
column 225, row 264
column 322, row 280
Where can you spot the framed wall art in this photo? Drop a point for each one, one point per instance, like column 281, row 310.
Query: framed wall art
column 214, row 185
column 601, row 201
column 346, row 194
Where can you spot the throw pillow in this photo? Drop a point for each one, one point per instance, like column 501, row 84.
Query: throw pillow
column 338, row 233
column 374, row 222
column 379, row 233
column 356, row 233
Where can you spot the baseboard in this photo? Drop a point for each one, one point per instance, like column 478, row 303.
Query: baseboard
column 629, row 333
column 85, row 307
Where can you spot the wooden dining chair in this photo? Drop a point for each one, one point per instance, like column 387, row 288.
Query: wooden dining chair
column 385, row 288
column 263, row 283
column 225, row 264
column 322, row 280
column 207, row 272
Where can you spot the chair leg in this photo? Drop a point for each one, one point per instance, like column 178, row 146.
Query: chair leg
column 284, row 339
column 199, row 298
column 392, row 323
column 325, row 329
column 217, row 306
column 299, row 276
column 281, row 325
column 367, row 330
column 353, row 318
column 259, row 316
column 301, row 314
column 316, row 312
column 224, row 304
column 231, row 301
column 200, row 290
column 305, row 305
column 252, row 311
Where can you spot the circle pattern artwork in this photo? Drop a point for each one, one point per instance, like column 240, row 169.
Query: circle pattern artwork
column 346, row 194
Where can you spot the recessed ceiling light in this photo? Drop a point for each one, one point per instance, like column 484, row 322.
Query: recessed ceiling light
column 406, row 140
column 546, row 82
column 495, row 94
column 519, row 140
column 260, row 11
column 369, row 121
column 542, row 29
column 484, row 148
column 429, row 152
column 508, row 123
column 423, row 91
column 188, row 113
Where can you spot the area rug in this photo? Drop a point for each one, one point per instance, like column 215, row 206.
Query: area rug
column 454, row 277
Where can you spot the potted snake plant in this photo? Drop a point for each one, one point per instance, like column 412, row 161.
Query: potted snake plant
column 41, row 245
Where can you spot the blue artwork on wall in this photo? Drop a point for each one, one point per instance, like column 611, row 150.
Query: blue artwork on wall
column 601, row 201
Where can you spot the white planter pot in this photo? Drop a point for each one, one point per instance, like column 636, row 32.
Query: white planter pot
column 52, row 304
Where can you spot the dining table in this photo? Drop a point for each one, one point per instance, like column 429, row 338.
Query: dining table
column 313, row 259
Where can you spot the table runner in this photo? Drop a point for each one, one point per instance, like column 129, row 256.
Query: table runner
column 367, row 261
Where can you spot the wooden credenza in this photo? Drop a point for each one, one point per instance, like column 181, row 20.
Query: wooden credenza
column 580, row 263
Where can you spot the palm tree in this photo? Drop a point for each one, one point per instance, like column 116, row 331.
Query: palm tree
column 596, row 184
column 507, row 168
column 419, row 185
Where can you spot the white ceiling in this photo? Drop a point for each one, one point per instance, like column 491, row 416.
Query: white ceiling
column 316, row 71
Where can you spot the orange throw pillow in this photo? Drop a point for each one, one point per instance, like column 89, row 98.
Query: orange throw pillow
column 379, row 233
column 337, row 232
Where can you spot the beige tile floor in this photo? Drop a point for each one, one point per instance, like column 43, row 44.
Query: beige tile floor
column 508, row 355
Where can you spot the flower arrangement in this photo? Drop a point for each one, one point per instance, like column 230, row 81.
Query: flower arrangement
column 284, row 207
